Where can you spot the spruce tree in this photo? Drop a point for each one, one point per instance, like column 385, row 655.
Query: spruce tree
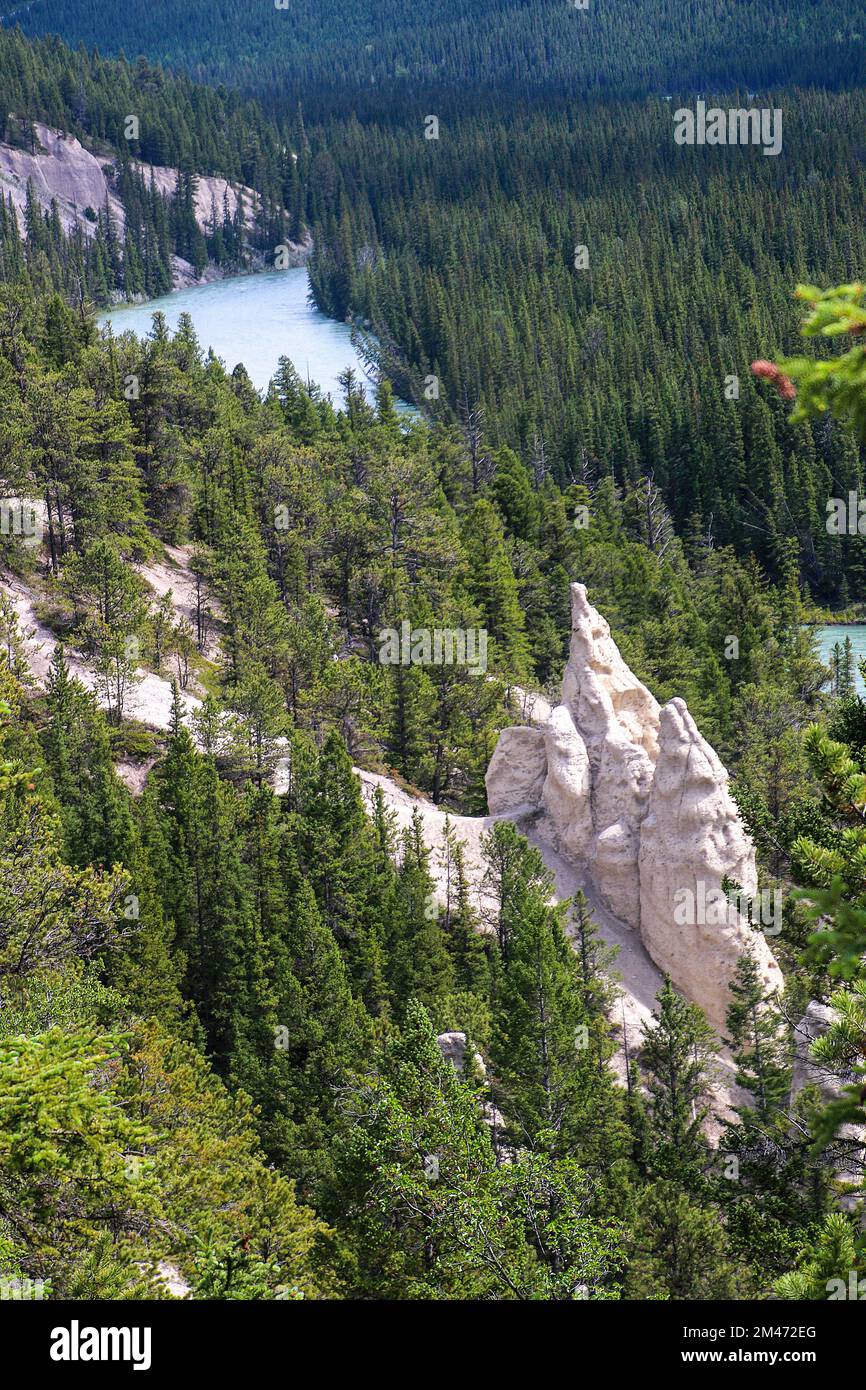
column 758, row 1039
column 678, row 1047
column 550, row 1051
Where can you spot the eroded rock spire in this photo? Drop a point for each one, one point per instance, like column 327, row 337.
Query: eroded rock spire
column 637, row 799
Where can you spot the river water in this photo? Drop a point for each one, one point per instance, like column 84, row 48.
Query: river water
column 256, row 319
column 827, row 637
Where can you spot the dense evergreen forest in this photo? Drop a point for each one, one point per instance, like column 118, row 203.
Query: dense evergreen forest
column 619, row 283
column 595, row 294
column 258, row 979
column 221, row 992
column 179, row 124
column 327, row 51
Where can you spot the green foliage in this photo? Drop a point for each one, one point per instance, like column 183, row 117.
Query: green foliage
column 832, row 1257
column 551, row 1049
column 180, row 124
column 758, row 1039
column 679, row 1251
column 587, row 376
column 431, row 1214
column 214, row 996
column 340, row 53
column 837, row 386
column 677, row 1052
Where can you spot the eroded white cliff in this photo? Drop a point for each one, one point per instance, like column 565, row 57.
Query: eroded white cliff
column 691, row 840
column 61, row 170
column 634, row 797
column 63, row 173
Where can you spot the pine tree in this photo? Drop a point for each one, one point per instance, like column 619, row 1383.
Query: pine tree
column 337, row 852
column 826, row 1264
column 513, row 869
column 411, row 1136
column 94, row 804
column 298, row 1031
column 757, row 1039
column 421, row 967
column 462, row 925
column 550, row 1052
column 677, row 1250
column 494, row 586
column 595, row 958
column 677, row 1049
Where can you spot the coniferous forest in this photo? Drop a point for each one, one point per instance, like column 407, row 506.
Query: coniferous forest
column 285, row 1013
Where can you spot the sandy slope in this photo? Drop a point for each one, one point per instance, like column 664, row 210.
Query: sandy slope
column 638, row 978
column 150, row 696
column 172, row 573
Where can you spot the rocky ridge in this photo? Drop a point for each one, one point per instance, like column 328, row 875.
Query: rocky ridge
column 544, row 778
column 62, row 171
column 635, row 799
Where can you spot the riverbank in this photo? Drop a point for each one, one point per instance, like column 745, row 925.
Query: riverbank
column 254, row 320
column 185, row 277
column 850, row 617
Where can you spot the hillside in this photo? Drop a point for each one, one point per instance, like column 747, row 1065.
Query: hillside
column 164, row 157
column 150, row 704
column 369, row 919
column 60, row 173
column 338, row 53
column 432, row 852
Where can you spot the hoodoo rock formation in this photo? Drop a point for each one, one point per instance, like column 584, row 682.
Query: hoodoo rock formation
column 638, row 801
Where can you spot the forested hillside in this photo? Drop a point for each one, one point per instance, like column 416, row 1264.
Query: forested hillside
column 181, row 122
column 174, row 123
column 287, row 939
column 595, row 293
column 386, row 51
column 619, row 284
column 211, row 942
column 257, row 1040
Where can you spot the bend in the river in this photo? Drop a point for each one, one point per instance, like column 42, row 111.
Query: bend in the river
column 256, row 320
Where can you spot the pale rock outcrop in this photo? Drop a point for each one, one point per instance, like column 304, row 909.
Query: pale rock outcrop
column 638, row 802
column 452, row 1045
column 566, row 790
column 517, row 771
column 173, row 1282
column 210, row 193
column 60, row 168
column 617, row 719
column 691, row 840
column 602, row 692
column 63, row 172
